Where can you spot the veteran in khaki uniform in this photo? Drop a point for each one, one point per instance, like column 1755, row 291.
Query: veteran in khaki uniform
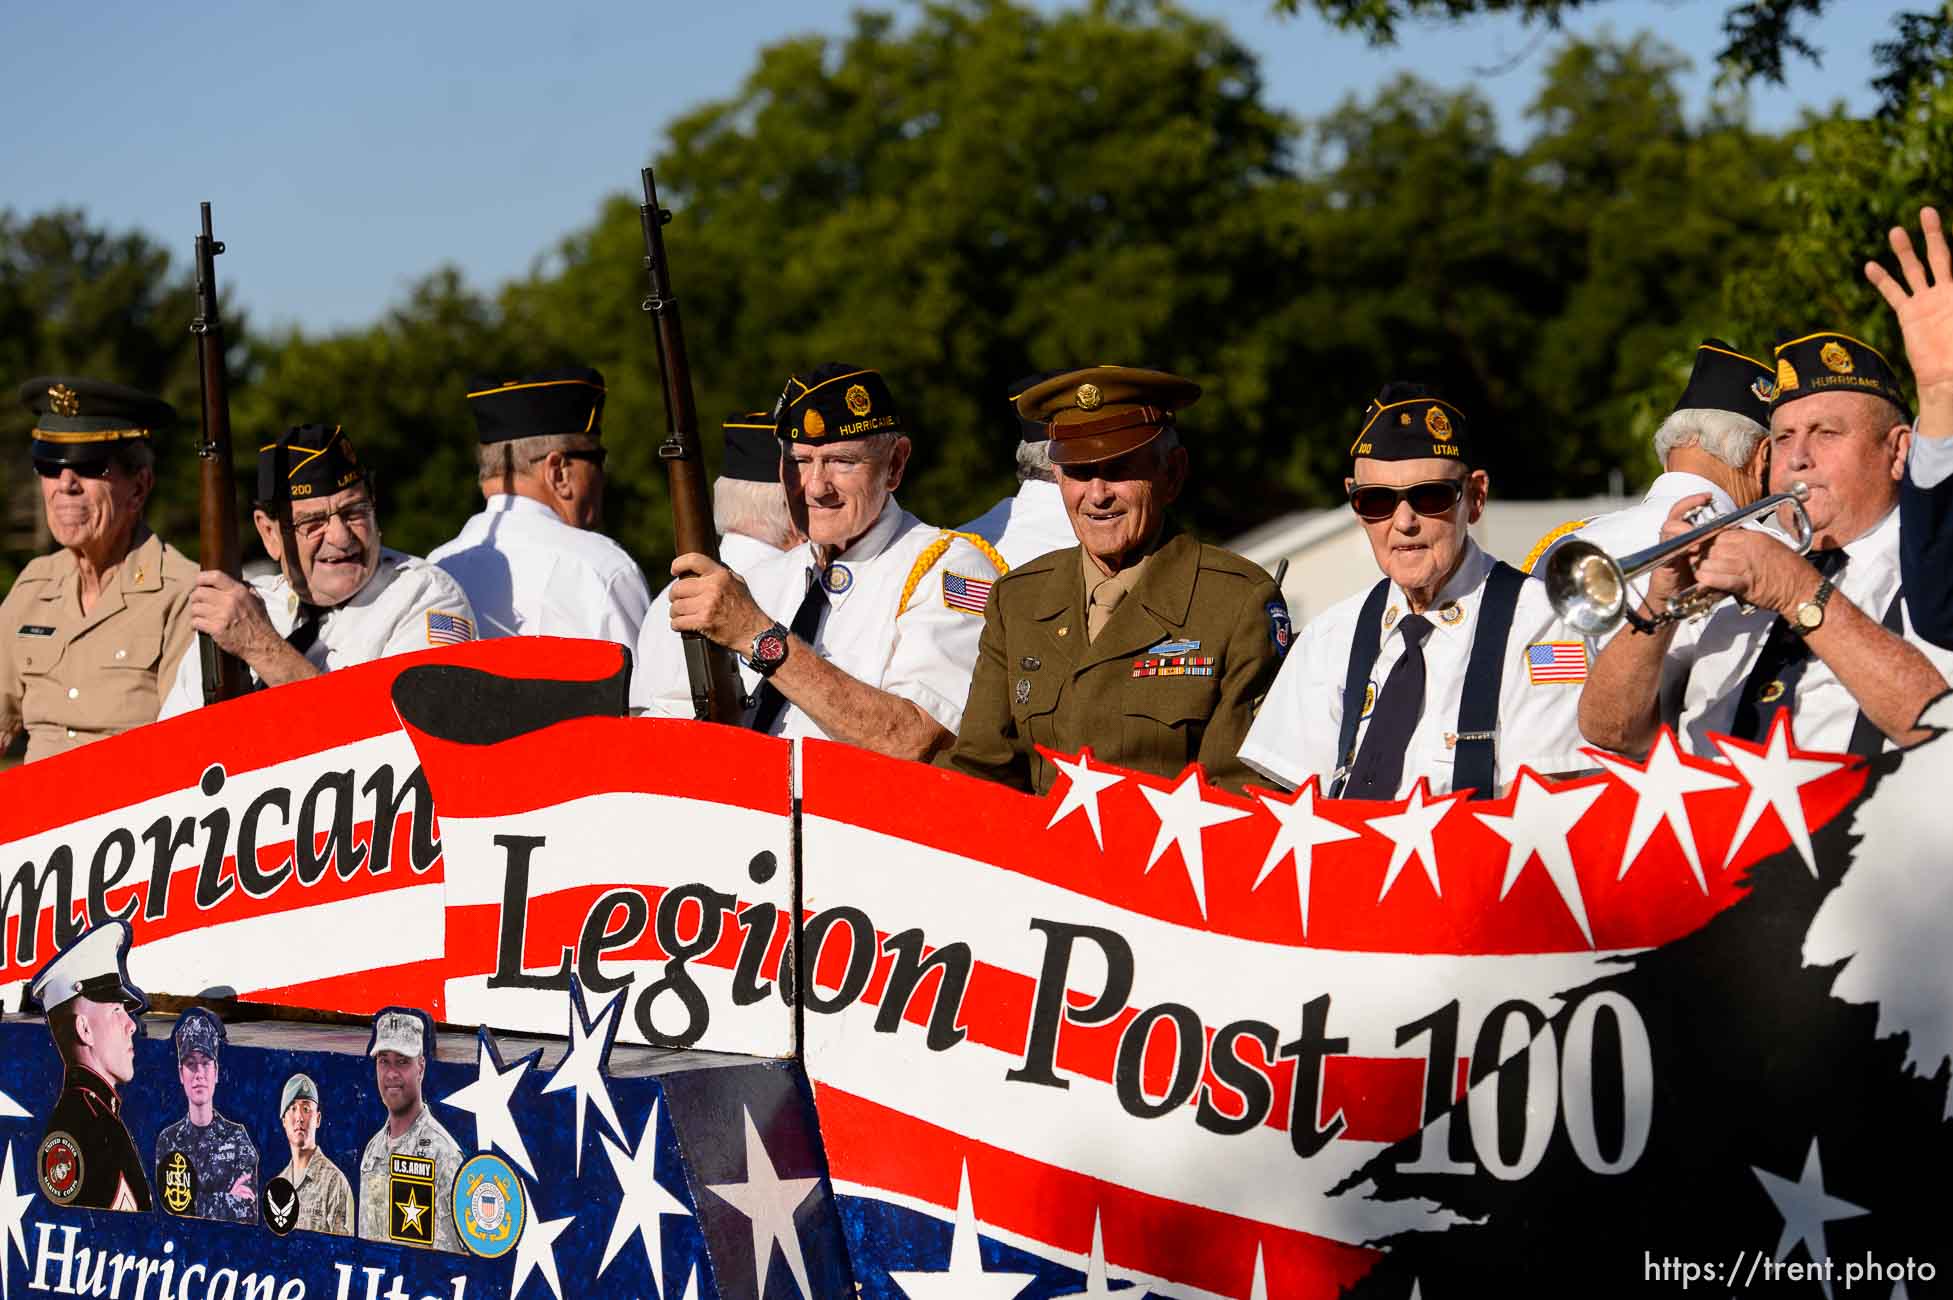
column 90, row 636
column 1148, row 646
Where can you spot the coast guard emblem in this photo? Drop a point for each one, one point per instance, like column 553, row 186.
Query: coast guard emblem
column 489, row 1208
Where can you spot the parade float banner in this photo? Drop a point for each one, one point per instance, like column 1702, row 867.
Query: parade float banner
column 281, row 847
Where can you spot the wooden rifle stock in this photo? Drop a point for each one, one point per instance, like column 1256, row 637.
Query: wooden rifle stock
column 717, row 692
column 224, row 675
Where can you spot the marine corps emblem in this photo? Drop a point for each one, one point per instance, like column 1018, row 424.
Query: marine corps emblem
column 1438, row 423
column 489, row 1208
column 1786, row 375
column 1833, row 355
column 63, row 400
column 813, row 425
column 857, row 399
column 60, row 1162
column 1089, row 397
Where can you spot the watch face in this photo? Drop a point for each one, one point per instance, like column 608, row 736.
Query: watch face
column 769, row 649
column 1810, row 615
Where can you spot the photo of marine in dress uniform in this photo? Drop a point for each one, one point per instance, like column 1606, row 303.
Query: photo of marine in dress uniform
column 87, row 1157
column 206, row 1165
column 325, row 1198
column 406, row 1174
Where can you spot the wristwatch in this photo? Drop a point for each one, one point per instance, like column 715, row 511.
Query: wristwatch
column 769, row 651
column 1809, row 616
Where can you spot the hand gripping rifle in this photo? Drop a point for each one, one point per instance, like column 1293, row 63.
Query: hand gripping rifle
column 224, row 675
column 717, row 693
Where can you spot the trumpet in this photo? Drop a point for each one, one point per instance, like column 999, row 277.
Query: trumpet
column 1588, row 588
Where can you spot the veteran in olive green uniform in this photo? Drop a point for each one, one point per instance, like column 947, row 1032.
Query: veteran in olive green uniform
column 1149, row 647
column 90, row 636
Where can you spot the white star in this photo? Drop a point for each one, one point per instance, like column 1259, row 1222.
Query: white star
column 535, row 1250
column 1299, row 831
column 645, row 1200
column 13, row 1213
column 1095, row 1284
column 1774, row 779
column 1087, row 783
column 1258, row 1290
column 1409, row 832
column 1806, row 1207
column 769, row 1202
column 1183, row 816
column 582, row 1066
column 965, row 1276
column 1661, row 786
column 411, row 1212
column 1540, row 822
column 11, row 1109
column 487, row 1099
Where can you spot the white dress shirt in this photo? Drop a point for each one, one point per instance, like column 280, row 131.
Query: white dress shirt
column 1027, row 525
column 924, row 655
column 1294, row 737
column 408, row 604
column 738, row 553
column 527, row 573
column 1709, row 672
column 1930, row 462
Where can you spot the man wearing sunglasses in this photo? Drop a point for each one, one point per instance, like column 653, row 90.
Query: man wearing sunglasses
column 533, row 562
column 1140, row 641
column 90, row 636
column 1453, row 668
column 339, row 598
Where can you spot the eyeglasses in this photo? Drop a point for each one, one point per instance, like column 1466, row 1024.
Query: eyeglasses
column 358, row 516
column 91, row 469
column 1374, row 502
column 595, row 455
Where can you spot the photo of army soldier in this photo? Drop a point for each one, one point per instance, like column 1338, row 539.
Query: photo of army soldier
column 206, row 1165
column 87, row 1157
column 406, row 1174
column 325, row 1198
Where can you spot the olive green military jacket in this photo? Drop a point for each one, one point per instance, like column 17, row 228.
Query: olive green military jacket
column 1174, row 677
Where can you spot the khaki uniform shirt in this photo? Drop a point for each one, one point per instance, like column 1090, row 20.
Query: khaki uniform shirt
column 1172, row 678
column 70, row 677
column 325, row 1198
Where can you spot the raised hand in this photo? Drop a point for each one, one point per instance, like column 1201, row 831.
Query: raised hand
column 1924, row 306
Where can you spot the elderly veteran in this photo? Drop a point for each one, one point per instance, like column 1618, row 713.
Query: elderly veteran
column 1146, row 645
column 532, row 561
column 1453, row 668
column 1714, row 441
column 883, row 611
column 339, row 598
column 1824, row 638
column 91, row 635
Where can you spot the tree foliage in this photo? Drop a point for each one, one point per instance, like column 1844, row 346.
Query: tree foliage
column 986, row 189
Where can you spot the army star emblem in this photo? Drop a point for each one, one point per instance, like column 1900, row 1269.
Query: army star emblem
column 411, row 1211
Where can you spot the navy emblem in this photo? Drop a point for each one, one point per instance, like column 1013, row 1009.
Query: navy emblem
column 1279, row 630
column 489, row 1208
column 837, row 578
column 177, row 1178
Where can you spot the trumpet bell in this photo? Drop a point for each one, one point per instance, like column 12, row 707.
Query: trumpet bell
column 1586, row 587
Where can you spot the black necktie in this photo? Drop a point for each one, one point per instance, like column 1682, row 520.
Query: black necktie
column 1379, row 762
column 1772, row 684
column 303, row 636
column 806, row 624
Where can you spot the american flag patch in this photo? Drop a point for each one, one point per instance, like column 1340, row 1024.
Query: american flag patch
column 1556, row 661
column 448, row 629
column 967, row 594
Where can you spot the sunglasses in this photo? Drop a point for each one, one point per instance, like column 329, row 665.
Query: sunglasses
column 1374, row 502
column 91, row 469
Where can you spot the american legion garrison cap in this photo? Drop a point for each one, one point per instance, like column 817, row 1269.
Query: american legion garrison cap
column 1102, row 412
column 752, row 452
column 834, row 402
column 1409, row 422
column 1723, row 379
column 78, row 421
column 307, row 462
column 545, row 404
column 1828, row 362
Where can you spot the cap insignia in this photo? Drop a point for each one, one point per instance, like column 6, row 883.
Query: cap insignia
column 1763, row 388
column 1089, row 397
column 1438, row 423
column 1403, row 417
column 857, row 400
column 1833, row 355
column 813, row 424
column 63, row 400
column 1786, row 375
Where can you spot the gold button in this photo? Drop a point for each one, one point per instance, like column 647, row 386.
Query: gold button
column 74, row 692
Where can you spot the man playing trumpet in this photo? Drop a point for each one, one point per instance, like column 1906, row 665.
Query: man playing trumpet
column 1824, row 638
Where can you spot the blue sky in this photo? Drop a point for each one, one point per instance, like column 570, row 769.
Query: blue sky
column 350, row 148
